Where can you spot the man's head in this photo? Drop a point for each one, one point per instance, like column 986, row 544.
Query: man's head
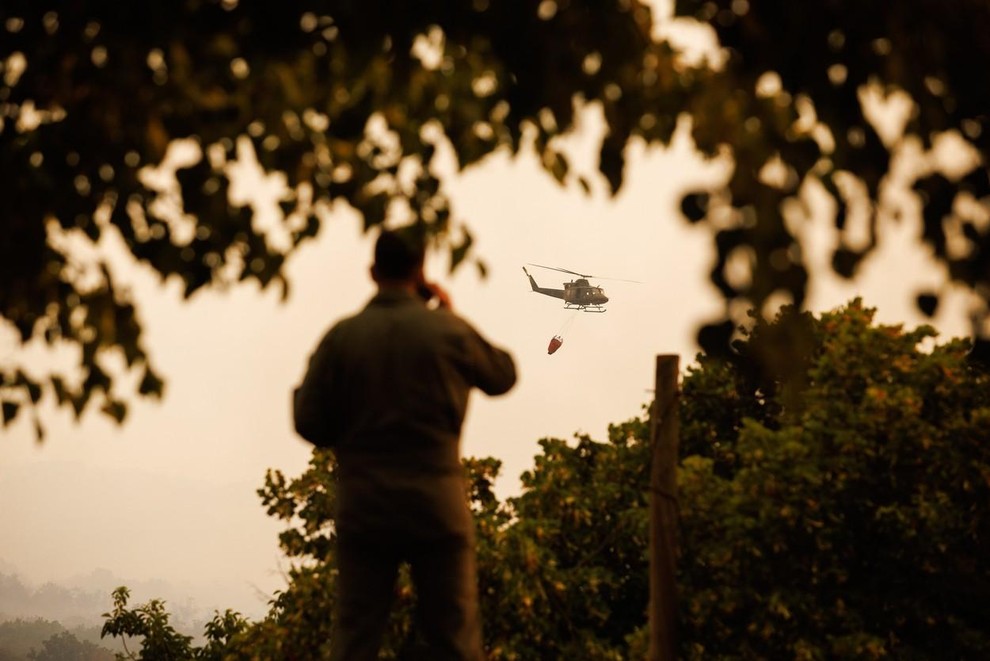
column 398, row 257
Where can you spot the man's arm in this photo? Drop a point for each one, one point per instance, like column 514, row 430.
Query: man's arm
column 494, row 370
column 312, row 400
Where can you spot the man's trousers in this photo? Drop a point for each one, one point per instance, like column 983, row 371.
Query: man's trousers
column 444, row 576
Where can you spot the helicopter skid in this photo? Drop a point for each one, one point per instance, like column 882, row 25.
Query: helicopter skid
column 585, row 308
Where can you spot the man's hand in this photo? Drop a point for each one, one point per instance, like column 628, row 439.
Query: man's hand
column 440, row 298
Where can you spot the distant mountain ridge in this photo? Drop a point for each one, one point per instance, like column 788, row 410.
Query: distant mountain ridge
column 81, row 601
column 21, row 639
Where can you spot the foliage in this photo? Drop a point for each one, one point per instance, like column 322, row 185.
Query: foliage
column 22, row 640
column 346, row 101
column 792, row 70
column 552, row 584
column 842, row 519
column 18, row 637
column 850, row 524
column 66, row 647
column 796, row 101
column 566, row 577
column 159, row 639
column 58, row 603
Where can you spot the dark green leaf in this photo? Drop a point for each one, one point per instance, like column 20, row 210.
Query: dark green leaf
column 694, row 206
column 151, row 384
column 9, row 411
column 116, row 410
column 927, row 303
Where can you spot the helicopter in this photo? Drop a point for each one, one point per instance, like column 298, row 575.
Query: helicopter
column 577, row 294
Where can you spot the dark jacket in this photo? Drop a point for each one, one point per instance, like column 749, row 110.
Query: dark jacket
column 388, row 389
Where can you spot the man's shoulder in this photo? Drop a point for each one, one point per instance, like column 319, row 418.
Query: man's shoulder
column 412, row 313
column 445, row 318
column 341, row 325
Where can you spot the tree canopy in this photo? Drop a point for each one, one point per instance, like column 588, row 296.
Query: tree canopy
column 46, row 640
column 843, row 520
column 348, row 101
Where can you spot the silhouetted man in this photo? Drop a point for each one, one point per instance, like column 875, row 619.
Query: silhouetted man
column 387, row 389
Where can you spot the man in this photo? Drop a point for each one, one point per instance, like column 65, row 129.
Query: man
column 387, row 389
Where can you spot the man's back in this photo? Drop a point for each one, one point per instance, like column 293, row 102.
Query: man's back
column 388, row 390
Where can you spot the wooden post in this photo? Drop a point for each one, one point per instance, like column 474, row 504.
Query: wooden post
column 664, row 431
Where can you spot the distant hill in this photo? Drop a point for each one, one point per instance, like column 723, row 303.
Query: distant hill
column 31, row 615
column 70, row 606
column 84, row 601
column 19, row 638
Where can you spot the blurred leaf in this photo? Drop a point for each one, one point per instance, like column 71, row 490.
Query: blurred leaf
column 9, row 411
column 558, row 165
column 694, row 206
column 713, row 338
column 151, row 385
column 928, row 304
column 116, row 410
column 79, row 401
column 845, row 261
column 612, row 161
column 32, row 387
column 61, row 394
column 460, row 251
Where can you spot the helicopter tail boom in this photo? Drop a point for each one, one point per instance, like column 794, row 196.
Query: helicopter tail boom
column 556, row 293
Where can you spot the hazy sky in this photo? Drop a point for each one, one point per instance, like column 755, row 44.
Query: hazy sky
column 171, row 494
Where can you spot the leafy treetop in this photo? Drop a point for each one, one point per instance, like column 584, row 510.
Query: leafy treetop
column 348, row 101
column 846, row 520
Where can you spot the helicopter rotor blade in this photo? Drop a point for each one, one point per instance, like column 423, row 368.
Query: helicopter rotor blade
column 557, row 268
column 598, row 277
column 582, row 275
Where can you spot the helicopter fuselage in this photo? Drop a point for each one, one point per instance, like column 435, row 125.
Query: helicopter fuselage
column 577, row 294
column 582, row 294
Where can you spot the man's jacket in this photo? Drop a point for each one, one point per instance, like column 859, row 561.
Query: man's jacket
column 388, row 389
